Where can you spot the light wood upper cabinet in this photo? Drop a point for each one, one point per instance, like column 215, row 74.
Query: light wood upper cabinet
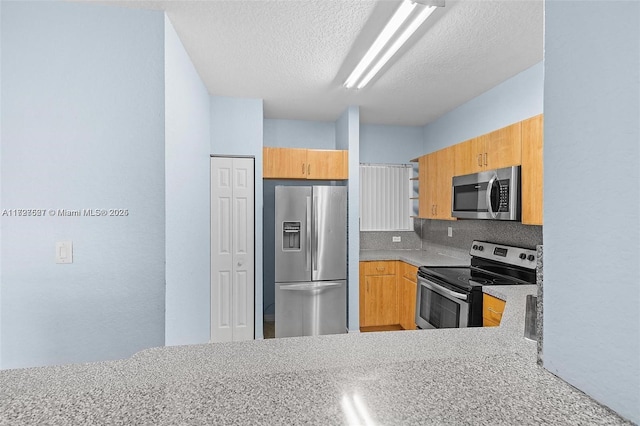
column 495, row 150
column 503, row 147
column 468, row 156
column 327, row 164
column 295, row 163
column 518, row 144
column 445, row 160
column 284, row 163
column 532, row 170
column 435, row 174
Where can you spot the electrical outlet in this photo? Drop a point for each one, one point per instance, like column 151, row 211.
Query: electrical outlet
column 396, row 239
column 450, row 231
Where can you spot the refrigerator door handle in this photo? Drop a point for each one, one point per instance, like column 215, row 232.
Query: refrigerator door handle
column 315, row 233
column 309, row 286
column 308, row 244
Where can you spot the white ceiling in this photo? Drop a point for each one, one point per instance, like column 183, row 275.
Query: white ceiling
column 296, row 54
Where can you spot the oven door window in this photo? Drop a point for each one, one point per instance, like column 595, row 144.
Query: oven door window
column 440, row 311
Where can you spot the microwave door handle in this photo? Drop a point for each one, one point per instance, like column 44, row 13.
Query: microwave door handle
column 489, row 188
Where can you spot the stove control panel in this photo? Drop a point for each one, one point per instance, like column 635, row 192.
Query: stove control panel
column 517, row 256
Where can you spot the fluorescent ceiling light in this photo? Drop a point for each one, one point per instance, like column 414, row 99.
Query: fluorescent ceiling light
column 396, row 21
column 397, row 44
column 392, row 27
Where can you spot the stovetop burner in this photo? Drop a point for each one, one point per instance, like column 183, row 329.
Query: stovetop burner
column 491, row 264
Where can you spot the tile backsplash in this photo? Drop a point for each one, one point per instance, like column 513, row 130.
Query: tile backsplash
column 383, row 240
column 463, row 233
column 496, row 231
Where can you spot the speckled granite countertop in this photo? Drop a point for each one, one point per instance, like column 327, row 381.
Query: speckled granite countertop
column 433, row 377
column 432, row 255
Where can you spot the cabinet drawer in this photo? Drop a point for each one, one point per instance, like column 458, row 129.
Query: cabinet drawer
column 492, row 309
column 385, row 267
column 409, row 271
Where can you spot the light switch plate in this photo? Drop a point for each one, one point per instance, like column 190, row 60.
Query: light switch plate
column 64, row 252
column 396, row 239
column 450, row 231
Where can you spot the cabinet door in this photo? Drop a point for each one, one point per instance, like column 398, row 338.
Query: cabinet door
column 445, row 160
column 407, row 280
column 468, row 156
column 327, row 164
column 503, row 147
column 381, row 301
column 408, row 305
column 532, row 170
column 363, row 295
column 492, row 309
column 284, row 163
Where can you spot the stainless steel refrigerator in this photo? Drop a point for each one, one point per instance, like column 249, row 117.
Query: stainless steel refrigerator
column 311, row 260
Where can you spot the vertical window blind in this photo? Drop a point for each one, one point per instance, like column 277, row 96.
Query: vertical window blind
column 385, row 197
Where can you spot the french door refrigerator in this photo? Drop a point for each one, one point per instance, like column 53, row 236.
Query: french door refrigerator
column 311, row 260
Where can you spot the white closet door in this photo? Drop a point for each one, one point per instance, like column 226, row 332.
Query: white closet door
column 243, row 249
column 232, row 249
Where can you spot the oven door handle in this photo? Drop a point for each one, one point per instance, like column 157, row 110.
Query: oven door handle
column 439, row 289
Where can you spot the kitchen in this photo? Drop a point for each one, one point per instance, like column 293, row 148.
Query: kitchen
column 564, row 235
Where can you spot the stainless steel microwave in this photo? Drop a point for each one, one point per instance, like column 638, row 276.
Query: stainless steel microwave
column 492, row 194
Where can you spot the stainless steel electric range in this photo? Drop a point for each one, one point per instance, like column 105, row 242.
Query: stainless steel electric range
column 451, row 296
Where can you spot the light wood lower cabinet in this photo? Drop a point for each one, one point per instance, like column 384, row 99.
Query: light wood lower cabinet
column 378, row 293
column 407, row 299
column 387, row 294
column 492, row 309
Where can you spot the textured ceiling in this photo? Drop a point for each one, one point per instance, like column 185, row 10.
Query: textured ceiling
column 296, row 54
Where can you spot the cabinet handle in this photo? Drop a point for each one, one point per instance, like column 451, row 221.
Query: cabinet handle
column 485, row 158
column 493, row 312
column 380, row 268
column 479, row 159
column 303, row 168
column 309, row 170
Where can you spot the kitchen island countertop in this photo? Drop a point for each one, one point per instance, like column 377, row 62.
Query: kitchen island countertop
column 448, row 376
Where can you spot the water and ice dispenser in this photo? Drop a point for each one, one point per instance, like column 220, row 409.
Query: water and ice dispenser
column 290, row 236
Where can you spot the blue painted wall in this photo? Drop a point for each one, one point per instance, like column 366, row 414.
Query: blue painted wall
column 187, row 150
column 390, row 144
column 237, row 129
column 513, row 100
column 1, row 204
column 592, row 199
column 82, row 128
column 299, row 134
column 348, row 137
